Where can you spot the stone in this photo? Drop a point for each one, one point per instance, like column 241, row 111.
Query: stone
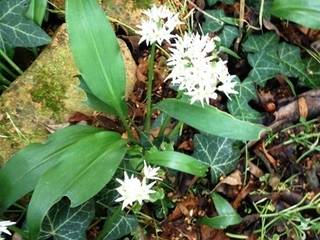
column 47, row 93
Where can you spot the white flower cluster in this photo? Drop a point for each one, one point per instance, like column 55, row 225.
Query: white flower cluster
column 132, row 189
column 4, row 227
column 197, row 70
column 158, row 26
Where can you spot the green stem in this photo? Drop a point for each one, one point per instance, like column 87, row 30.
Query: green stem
column 128, row 129
column 4, row 80
column 11, row 63
column 147, row 124
column 7, row 70
column 175, row 130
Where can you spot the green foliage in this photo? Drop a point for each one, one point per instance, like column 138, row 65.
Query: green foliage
column 239, row 104
column 306, row 13
column 80, row 174
column 177, row 161
column 15, row 29
column 210, row 120
column 37, row 10
column 269, row 58
column 220, row 24
column 118, row 225
column 97, row 53
column 65, row 223
column 221, row 154
column 22, row 172
column 212, row 2
column 227, row 215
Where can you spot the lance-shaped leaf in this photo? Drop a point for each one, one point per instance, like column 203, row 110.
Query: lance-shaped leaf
column 227, row 215
column 82, row 172
column 22, row 172
column 210, row 120
column 221, row 154
column 97, row 53
column 177, row 161
column 15, row 29
column 306, row 12
column 65, row 223
column 37, row 10
column 118, row 225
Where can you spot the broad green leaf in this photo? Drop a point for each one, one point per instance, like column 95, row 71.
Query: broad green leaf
column 306, row 12
column 15, row 29
column 37, row 10
column 227, row 215
column 94, row 102
column 228, row 35
column 210, row 120
column 239, row 106
column 22, row 172
column 177, row 161
column 65, row 223
column 257, row 43
column 118, row 225
column 82, row 172
column 220, row 222
column 97, row 53
column 221, row 154
column 213, row 24
column 2, row 44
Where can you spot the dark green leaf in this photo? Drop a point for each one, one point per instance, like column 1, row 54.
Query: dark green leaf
column 82, row 172
column 21, row 173
column 215, row 23
column 239, row 104
column 221, row 154
column 65, row 223
column 306, row 12
column 37, row 10
column 257, row 43
column 177, row 161
column 228, row 35
column 15, row 29
column 97, row 53
column 118, row 226
column 210, row 120
column 256, row 5
column 212, row 2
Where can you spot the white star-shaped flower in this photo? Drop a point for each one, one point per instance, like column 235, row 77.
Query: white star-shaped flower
column 132, row 189
column 150, row 172
column 158, row 26
column 4, row 227
column 197, row 70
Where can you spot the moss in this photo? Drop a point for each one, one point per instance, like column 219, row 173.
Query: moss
column 50, row 93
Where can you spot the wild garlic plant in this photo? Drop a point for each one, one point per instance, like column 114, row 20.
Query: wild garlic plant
column 79, row 161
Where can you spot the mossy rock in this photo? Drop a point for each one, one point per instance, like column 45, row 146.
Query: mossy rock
column 46, row 94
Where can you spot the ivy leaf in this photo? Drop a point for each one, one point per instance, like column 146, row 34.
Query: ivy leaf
column 228, row 35
column 213, row 24
column 118, row 225
column 221, row 154
column 256, row 43
column 65, row 223
column 212, row 2
column 239, row 104
column 264, row 65
column 15, row 29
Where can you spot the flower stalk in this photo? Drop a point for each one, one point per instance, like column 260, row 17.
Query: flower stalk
column 149, row 88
